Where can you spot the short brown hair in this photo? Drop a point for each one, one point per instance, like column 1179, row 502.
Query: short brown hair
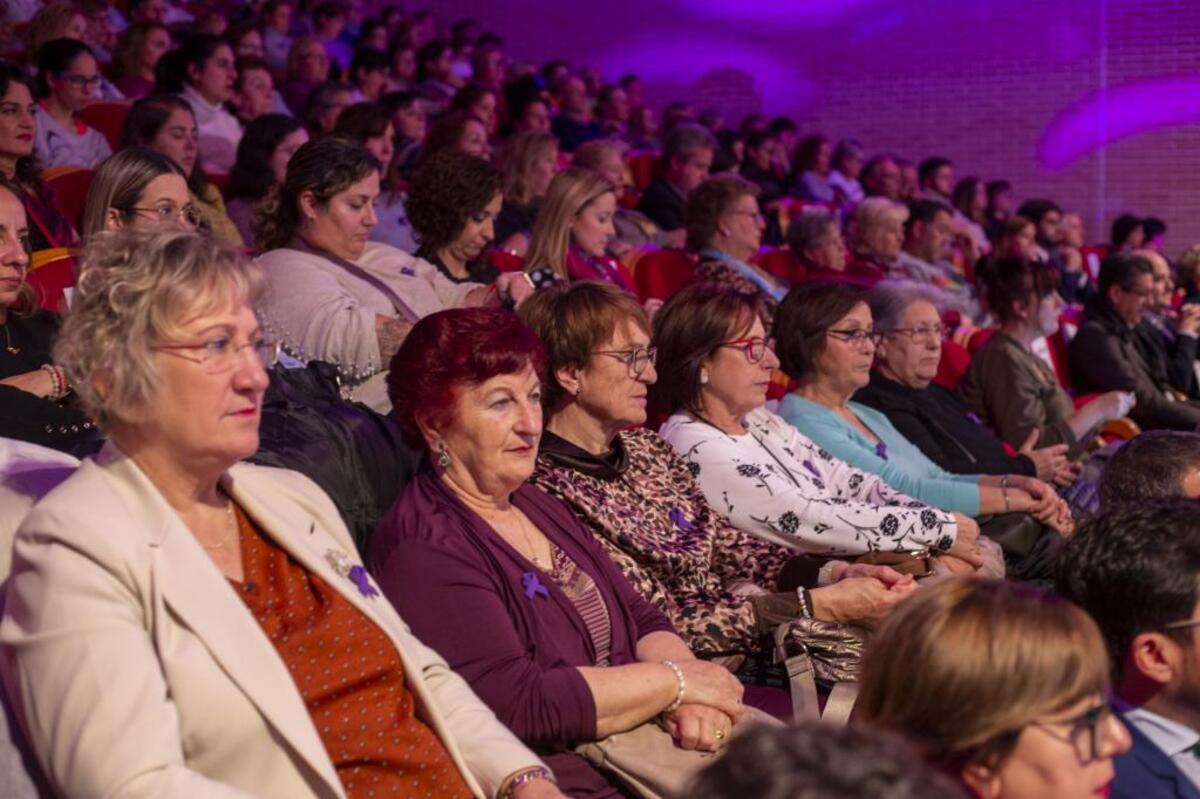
column 573, row 319
column 802, row 318
column 708, row 202
column 962, row 667
column 687, row 330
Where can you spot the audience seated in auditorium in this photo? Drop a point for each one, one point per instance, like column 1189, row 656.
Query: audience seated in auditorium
column 1155, row 230
column 67, row 78
column 1009, row 386
column 876, row 238
column 457, row 131
column 201, row 71
column 572, row 232
column 324, row 105
column 139, row 49
column 815, row 239
column 827, row 341
column 848, row 159
column 928, row 232
column 335, row 296
column 1047, row 216
column 267, row 145
column 637, row 495
column 165, row 124
column 1166, row 335
column 687, row 155
column 370, row 125
column 812, row 162
column 435, row 77
column 368, row 74
column 170, row 479
column 1127, row 233
column 999, row 205
column 758, row 167
column 480, row 102
column 307, row 69
column 1001, row 685
column 1105, row 355
column 328, row 20
column 453, row 205
column 768, row 478
column 574, row 124
column 402, row 75
column 1134, row 568
column 497, row 575
column 1156, row 464
column 408, row 119
column 724, row 228
column 881, row 178
column 18, row 165
column 530, row 162
column 612, row 111
column 140, row 189
column 37, row 403
column 253, row 91
column 820, row 761
column 634, row 230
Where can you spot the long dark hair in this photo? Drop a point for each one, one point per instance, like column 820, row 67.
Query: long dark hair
column 171, row 74
column 251, row 174
column 28, row 171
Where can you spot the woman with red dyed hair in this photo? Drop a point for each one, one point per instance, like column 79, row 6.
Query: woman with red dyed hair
column 505, row 581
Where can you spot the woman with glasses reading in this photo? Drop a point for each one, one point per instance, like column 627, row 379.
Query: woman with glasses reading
column 725, row 227
column 999, row 684
column 639, row 497
column 172, row 613
column 67, row 80
column 827, row 344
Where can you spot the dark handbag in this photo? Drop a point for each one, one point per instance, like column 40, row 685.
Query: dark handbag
column 1016, row 533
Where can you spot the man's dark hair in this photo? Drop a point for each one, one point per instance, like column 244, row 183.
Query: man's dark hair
column 1121, row 269
column 816, row 761
column 1133, row 568
column 1123, row 227
column 1153, row 226
column 781, row 124
column 923, row 211
column 929, row 168
column 1035, row 209
column 1151, row 466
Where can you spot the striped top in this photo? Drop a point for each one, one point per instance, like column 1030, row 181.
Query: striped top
column 582, row 591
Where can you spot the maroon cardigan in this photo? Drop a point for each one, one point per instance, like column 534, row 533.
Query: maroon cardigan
column 460, row 587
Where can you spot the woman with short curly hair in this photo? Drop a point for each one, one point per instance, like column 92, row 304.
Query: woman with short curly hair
column 453, row 204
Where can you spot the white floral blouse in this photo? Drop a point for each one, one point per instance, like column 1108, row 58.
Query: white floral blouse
column 776, row 483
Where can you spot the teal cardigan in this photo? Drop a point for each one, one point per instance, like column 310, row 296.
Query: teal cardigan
column 899, row 462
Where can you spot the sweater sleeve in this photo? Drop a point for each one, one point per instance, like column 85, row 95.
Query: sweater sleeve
column 785, row 497
column 836, row 437
column 451, row 604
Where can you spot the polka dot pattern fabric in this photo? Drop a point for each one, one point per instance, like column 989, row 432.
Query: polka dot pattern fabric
column 349, row 675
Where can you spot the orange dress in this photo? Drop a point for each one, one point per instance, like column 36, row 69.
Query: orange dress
column 350, row 677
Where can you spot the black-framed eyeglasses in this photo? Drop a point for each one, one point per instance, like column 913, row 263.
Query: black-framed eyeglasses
column 1083, row 731
column 922, row 332
column 755, row 349
column 221, row 355
column 80, row 81
column 637, row 359
column 857, row 337
column 169, row 212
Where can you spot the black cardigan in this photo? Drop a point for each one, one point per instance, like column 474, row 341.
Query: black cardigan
column 941, row 425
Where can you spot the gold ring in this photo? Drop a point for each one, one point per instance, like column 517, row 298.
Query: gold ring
column 720, row 735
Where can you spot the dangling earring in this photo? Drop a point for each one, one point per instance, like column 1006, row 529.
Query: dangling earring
column 703, row 377
column 443, row 456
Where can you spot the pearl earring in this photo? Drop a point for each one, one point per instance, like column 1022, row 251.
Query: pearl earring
column 703, row 377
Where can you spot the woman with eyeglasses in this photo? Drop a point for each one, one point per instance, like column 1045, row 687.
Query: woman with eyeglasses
column 725, row 227
column 67, row 79
column 827, row 343
column 179, row 623
column 1001, row 685
column 640, row 499
column 140, row 189
column 165, row 123
column 715, row 362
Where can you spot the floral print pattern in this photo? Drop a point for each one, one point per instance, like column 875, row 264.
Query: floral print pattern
column 779, row 485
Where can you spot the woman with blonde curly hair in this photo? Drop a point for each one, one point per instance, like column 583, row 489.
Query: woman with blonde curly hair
column 186, row 655
column 999, row 684
column 573, row 229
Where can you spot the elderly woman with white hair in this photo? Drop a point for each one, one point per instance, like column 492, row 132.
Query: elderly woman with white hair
column 876, row 233
column 171, row 613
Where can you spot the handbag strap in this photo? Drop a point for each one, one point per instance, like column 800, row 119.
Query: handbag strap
column 802, row 685
column 402, row 308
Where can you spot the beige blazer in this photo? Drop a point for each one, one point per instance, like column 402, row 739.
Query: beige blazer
column 138, row 672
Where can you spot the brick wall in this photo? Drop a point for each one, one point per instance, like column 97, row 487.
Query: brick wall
column 989, row 85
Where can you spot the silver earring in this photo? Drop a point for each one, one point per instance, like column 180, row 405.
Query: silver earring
column 443, row 456
column 703, row 377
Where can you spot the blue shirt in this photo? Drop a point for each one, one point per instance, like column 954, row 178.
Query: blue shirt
column 897, row 460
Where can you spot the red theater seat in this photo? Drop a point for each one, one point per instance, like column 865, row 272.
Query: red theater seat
column 643, row 168
column 108, row 118
column 506, row 261
column 50, row 273
column 661, row 273
column 70, row 186
column 783, row 265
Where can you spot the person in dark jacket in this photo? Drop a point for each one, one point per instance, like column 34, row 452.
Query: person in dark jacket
column 1105, row 356
column 1167, row 336
column 686, row 158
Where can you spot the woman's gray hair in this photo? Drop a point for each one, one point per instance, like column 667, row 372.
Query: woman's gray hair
column 889, row 299
column 135, row 290
column 807, row 229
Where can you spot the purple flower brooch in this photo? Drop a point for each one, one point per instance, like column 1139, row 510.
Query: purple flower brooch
column 354, row 572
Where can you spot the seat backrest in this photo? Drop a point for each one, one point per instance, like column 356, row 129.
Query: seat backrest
column 782, row 264
column 952, row 366
column 505, row 261
column 108, row 118
column 661, row 273
column 69, row 186
column 51, row 272
column 643, row 168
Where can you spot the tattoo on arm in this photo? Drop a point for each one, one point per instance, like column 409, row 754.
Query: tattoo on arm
column 391, row 334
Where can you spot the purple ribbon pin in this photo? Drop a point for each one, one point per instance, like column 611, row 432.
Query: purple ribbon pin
column 681, row 521
column 813, row 469
column 533, row 586
column 358, row 576
column 407, row 270
column 881, row 450
column 974, row 418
